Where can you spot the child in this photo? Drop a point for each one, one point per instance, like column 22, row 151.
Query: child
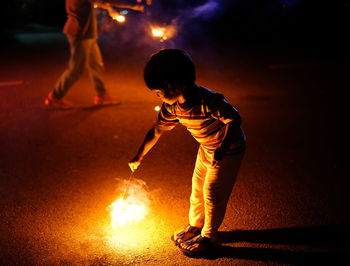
column 215, row 124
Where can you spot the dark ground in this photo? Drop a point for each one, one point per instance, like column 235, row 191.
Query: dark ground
column 58, row 168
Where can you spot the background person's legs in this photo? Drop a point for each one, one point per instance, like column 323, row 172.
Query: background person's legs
column 96, row 67
column 79, row 50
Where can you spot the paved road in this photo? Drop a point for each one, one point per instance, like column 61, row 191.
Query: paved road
column 61, row 169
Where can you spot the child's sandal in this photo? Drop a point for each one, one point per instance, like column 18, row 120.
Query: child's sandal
column 185, row 234
column 196, row 245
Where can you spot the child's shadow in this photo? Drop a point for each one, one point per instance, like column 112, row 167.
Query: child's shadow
column 298, row 245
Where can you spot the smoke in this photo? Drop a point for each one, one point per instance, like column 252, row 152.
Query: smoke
column 135, row 187
column 193, row 24
column 206, row 10
column 189, row 15
column 136, row 32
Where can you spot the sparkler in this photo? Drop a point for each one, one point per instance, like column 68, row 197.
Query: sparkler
column 128, row 184
column 159, row 32
column 111, row 12
column 116, row 15
column 163, row 33
column 157, row 108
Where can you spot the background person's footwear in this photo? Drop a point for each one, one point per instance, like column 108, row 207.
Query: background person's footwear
column 106, row 99
column 52, row 101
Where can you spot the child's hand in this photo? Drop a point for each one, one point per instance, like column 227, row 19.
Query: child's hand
column 134, row 163
column 218, row 156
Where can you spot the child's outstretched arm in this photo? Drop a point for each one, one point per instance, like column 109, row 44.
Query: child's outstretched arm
column 150, row 140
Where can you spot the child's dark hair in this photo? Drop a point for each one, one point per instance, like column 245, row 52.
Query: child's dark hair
column 169, row 66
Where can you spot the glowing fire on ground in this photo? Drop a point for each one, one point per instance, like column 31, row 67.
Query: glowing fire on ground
column 127, row 211
column 130, row 208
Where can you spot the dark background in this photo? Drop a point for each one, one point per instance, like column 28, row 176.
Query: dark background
column 319, row 21
column 273, row 28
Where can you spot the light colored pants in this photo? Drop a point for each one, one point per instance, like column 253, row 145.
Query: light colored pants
column 211, row 189
column 84, row 53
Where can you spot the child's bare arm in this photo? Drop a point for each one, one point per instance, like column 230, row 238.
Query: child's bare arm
column 150, row 140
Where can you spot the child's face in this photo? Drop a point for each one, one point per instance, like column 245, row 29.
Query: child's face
column 167, row 97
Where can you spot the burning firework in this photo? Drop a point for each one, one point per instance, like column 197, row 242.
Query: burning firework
column 163, row 33
column 116, row 15
column 132, row 206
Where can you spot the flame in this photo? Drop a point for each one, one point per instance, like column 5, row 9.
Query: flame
column 115, row 15
column 158, row 32
column 157, row 108
column 163, row 33
column 119, row 18
column 131, row 209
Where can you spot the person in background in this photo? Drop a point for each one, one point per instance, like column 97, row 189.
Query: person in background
column 215, row 124
column 82, row 33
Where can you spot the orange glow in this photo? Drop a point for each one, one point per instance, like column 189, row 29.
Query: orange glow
column 158, row 32
column 132, row 206
column 140, row 236
column 127, row 211
column 119, row 18
column 163, row 33
column 115, row 15
column 157, row 108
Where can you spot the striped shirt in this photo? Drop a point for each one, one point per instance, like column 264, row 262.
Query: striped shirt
column 205, row 116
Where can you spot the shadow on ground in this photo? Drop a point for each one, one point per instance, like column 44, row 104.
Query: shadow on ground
column 332, row 238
